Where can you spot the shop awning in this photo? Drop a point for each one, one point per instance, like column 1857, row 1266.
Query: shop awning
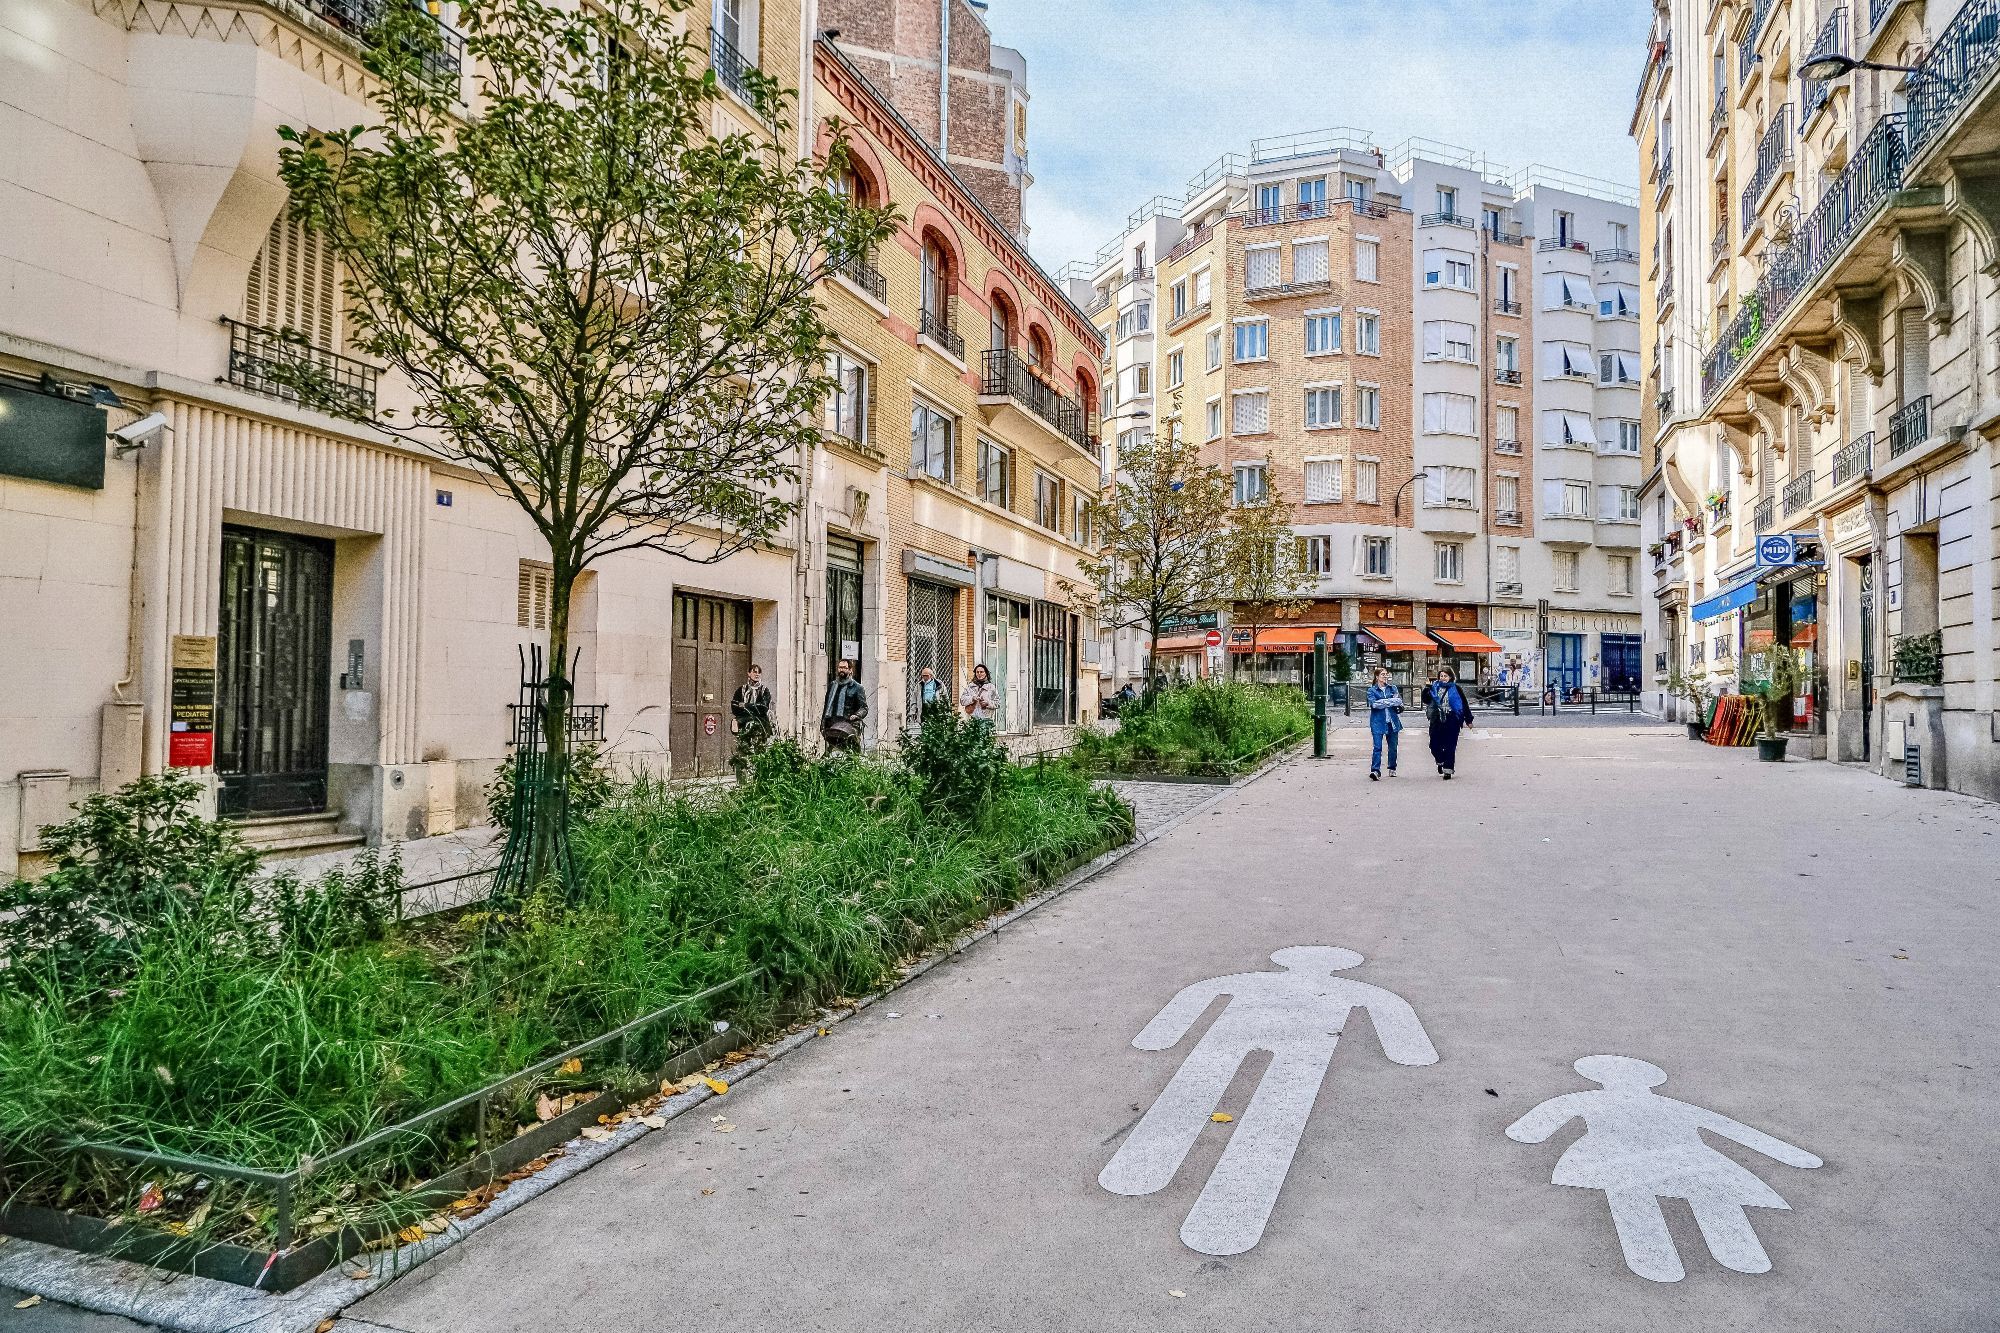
column 1400, row 638
column 1466, row 641
column 1734, row 598
column 1288, row 639
column 1183, row 643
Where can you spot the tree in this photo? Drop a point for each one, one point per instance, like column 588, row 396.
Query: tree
column 1266, row 571
column 604, row 308
column 1163, row 532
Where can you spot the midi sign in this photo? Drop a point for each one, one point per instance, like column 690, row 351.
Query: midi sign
column 1777, row 548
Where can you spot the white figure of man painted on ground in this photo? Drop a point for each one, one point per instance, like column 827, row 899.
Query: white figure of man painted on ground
column 1297, row 1015
column 1639, row 1147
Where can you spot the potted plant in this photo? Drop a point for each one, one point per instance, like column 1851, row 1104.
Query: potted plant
column 1784, row 672
column 1693, row 687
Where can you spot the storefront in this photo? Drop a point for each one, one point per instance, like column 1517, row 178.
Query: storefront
column 1461, row 645
column 1282, row 654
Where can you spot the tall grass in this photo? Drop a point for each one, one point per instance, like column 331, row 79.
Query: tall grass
column 1207, row 727
column 827, row 876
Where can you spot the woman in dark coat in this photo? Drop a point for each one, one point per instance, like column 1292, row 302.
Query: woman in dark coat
column 1445, row 706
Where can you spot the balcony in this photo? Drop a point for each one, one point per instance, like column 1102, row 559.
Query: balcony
column 1512, row 447
column 1855, row 460
column 1006, row 377
column 1189, row 243
column 1305, row 212
column 360, row 18
column 1663, row 175
column 1910, row 427
column 1718, row 115
column 1506, row 375
column 1506, row 307
column 1507, row 518
column 1763, row 516
column 1501, row 236
column 1448, row 220
column 1831, row 41
column 1774, row 159
column 279, row 363
column 1192, row 315
column 1663, row 295
column 1798, row 493
column 1718, row 245
column 1562, row 243
column 1616, row 256
column 1959, row 60
column 857, row 270
column 731, row 66
column 1663, row 403
column 937, row 327
column 1508, row 587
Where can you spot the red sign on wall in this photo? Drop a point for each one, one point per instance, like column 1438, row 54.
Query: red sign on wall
column 190, row 749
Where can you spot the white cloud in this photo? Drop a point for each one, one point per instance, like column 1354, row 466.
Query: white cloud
column 1131, row 97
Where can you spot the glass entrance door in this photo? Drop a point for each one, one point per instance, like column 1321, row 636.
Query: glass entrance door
column 1621, row 663
column 1565, row 663
column 272, row 657
column 1007, row 659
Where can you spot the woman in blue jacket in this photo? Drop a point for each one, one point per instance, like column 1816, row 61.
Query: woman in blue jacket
column 1445, row 706
column 1385, row 721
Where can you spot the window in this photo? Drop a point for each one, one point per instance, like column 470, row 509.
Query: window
column 1000, row 326
column 1367, row 261
column 1507, row 424
column 1253, row 340
column 1618, row 302
column 1367, row 481
column 1507, row 567
column 1568, row 577
column 1570, row 361
column 1215, row 349
column 1378, row 557
column 936, row 283
column 1368, row 331
column 930, row 441
column 1312, row 198
column 1270, row 202
column 1309, row 263
column 1621, row 503
column 1368, row 408
column 1620, row 575
column 1250, row 487
column 1448, row 268
column 1322, row 332
column 996, row 473
column 1446, row 340
column 1316, row 555
column 1135, row 319
column 1565, row 227
column 1449, row 487
column 1322, row 407
column 1250, row 412
column 1621, row 235
column 1175, row 369
column 1490, row 221
column 1450, row 562
column 1139, row 257
column 1566, row 499
column 1618, row 368
column 1567, row 430
column 847, row 407
column 1323, row 481
column 1359, row 189
column 1507, row 355
column 1079, row 517
column 1260, row 268
column 1048, row 501
column 1128, row 440
column 1180, row 298
column 1215, row 418
column 1618, row 435
column 534, row 586
column 1201, row 289
column 1507, row 499
column 1450, row 414
column 1142, row 380
column 1568, row 291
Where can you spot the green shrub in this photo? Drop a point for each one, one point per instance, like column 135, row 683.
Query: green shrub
column 590, row 785
column 957, row 763
column 1212, row 727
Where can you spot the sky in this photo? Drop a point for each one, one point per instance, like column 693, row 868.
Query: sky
column 1130, row 98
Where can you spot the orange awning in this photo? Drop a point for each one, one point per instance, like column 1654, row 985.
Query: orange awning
column 1399, row 638
column 1467, row 641
column 1287, row 638
column 1183, row 643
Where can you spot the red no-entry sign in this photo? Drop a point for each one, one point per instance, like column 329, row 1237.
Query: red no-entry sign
column 1213, row 638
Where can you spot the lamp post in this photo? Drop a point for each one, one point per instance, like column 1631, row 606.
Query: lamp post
column 1396, row 504
column 1824, row 69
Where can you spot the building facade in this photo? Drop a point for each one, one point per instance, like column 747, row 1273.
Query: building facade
column 1436, row 362
column 329, row 624
column 1827, row 368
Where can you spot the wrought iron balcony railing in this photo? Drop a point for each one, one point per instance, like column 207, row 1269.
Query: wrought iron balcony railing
column 1507, row 375
column 1956, row 66
column 857, row 270
column 937, row 327
column 1910, row 427
column 1854, row 460
column 730, row 64
column 1616, row 256
column 1831, row 41
column 1507, row 518
column 280, row 363
column 1507, row 447
column 1506, row 307
column 1004, row 374
column 1774, row 153
column 360, row 19
column 1798, row 493
column 1763, row 516
column 1447, row 220
column 1560, row 243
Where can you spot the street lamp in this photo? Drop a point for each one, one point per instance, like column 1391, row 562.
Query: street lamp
column 1822, row 69
column 1396, row 505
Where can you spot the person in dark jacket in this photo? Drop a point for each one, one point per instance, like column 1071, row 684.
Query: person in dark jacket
column 1445, row 706
column 846, row 707
column 750, row 718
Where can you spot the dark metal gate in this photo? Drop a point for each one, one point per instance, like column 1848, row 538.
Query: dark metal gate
column 1054, row 667
column 933, row 622
column 272, row 655
column 843, row 605
column 711, row 658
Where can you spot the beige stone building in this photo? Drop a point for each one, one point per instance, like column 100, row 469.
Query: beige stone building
column 346, row 612
column 1823, row 192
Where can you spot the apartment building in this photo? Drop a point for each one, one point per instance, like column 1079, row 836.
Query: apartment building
column 1435, row 360
column 1822, row 183
column 325, row 622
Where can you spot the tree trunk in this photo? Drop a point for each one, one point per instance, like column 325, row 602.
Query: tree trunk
column 550, row 813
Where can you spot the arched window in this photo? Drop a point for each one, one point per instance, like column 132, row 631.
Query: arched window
column 936, row 310
column 1038, row 347
column 1002, row 335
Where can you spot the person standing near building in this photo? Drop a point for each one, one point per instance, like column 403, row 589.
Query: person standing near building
column 750, row 718
column 846, row 707
column 980, row 699
column 1445, row 707
column 931, row 697
column 1385, row 722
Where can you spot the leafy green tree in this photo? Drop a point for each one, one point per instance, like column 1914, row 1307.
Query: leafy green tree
column 1265, row 566
column 600, row 305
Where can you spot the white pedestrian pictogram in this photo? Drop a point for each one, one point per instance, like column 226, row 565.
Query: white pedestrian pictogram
column 1639, row 1147
column 1297, row 1015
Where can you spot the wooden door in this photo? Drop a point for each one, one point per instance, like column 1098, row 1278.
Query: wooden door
column 711, row 658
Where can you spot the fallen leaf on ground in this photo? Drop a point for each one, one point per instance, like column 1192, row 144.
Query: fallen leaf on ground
column 323, row 1326
column 149, row 1197
column 653, row 1121
column 1178, row 1295
column 1222, row 1117
column 28, row 1304
column 725, row 1129
column 570, row 1066
column 822, row 1032
column 545, row 1107
column 410, row 1235
column 716, row 1086
column 596, row 1134
column 708, row 1191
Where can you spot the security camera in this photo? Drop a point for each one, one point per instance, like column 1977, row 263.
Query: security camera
column 140, row 433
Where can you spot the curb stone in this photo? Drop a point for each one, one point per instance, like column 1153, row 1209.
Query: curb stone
column 178, row 1303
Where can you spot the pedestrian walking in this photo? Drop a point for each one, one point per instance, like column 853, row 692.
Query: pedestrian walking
column 846, row 707
column 750, row 718
column 1448, row 713
column 931, row 697
column 980, row 699
column 1385, row 722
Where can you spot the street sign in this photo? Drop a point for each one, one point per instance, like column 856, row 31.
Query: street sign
column 1213, row 638
column 1776, row 548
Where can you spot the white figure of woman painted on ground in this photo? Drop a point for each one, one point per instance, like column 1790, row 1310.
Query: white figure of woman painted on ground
column 1639, row 1147
column 1296, row 1015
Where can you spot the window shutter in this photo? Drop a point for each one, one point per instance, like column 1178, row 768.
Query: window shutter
column 533, row 586
column 294, row 284
column 1261, row 268
column 1201, row 288
column 1433, row 339
column 1458, row 483
column 1309, row 261
column 1458, row 414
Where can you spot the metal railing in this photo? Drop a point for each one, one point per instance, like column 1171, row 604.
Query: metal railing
column 1506, row 518
column 1663, row 173
column 1004, row 374
column 1854, row 460
column 1718, row 245
column 1879, row 10
column 1664, row 292
column 1910, row 427
column 1763, row 516
column 730, row 65
column 1189, row 243
column 1831, row 41
column 1506, row 375
column 1501, row 236
column 1507, row 447
column 1774, row 153
column 1718, row 115
column 1663, row 402
column 1507, row 307
column 1447, row 220
column 1959, row 60
column 857, row 270
column 280, row 363
column 1616, row 256
column 584, row 724
column 360, row 19
column 937, row 327
column 1555, row 243
column 1798, row 493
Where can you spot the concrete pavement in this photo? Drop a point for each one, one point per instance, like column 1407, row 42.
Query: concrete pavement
column 1802, row 948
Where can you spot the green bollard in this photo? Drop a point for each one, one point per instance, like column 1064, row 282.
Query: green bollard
column 1319, row 695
